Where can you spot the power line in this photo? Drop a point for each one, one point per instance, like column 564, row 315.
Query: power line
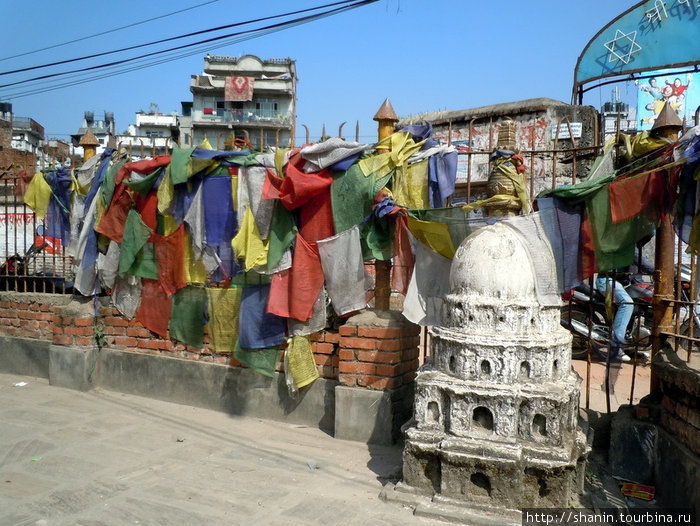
column 170, row 39
column 204, row 45
column 108, row 31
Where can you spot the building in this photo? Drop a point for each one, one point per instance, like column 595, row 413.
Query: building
column 103, row 128
column 618, row 116
column 21, row 140
column 241, row 98
column 56, row 151
column 153, row 134
column 542, row 125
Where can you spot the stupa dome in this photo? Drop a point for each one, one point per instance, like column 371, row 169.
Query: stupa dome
column 494, row 262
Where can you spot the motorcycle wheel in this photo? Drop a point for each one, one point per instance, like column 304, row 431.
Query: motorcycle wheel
column 579, row 316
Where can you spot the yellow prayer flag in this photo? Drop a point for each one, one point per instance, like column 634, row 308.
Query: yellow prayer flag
column 435, row 236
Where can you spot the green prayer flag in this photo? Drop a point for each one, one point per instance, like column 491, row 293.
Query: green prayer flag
column 178, row 164
column 145, row 264
column 109, row 183
column 136, row 234
column 263, row 361
column 187, row 315
column 282, row 233
column 144, row 185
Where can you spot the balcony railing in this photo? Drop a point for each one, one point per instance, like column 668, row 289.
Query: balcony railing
column 244, row 117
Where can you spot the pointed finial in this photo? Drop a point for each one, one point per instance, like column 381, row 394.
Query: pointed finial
column 386, row 112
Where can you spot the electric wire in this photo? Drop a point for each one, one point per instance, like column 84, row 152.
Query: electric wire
column 204, row 45
column 108, row 31
column 170, row 39
column 177, row 52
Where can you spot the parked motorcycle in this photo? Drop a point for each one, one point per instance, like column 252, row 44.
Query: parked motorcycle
column 15, row 274
column 587, row 318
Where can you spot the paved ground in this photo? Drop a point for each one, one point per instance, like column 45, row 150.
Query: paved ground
column 620, row 384
column 102, row 458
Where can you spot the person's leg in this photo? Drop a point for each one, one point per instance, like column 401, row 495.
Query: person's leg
column 623, row 315
column 621, row 319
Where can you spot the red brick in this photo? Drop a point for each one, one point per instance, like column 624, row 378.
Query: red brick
column 166, row 345
column 56, row 329
column 116, row 321
column 409, row 366
column 83, row 340
column 45, row 316
column 323, row 359
column 79, row 331
column 347, row 330
column 34, row 307
column 357, row 343
column 125, row 341
column 411, row 354
column 323, row 348
column 348, row 380
column 346, row 355
column 382, row 333
column 84, row 322
column 388, row 370
column 384, row 357
column 378, row 382
column 356, row 368
column 146, row 343
column 331, row 337
column 316, row 337
column 5, row 305
column 60, row 339
column 115, row 331
column 390, row 345
column 138, row 332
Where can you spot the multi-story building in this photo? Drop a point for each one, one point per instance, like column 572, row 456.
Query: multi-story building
column 241, row 98
column 153, row 134
column 21, row 141
column 103, row 128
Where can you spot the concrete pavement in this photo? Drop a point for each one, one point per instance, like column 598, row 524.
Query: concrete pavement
column 623, row 377
column 102, row 458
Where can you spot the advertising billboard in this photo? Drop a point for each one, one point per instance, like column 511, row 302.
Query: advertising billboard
column 680, row 90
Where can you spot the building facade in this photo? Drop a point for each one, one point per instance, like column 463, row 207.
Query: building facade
column 542, row 126
column 241, row 99
column 102, row 126
column 154, row 133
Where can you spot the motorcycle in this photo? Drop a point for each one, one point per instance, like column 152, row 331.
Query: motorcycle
column 585, row 315
column 16, row 274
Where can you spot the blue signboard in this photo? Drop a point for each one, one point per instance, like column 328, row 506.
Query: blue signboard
column 652, row 35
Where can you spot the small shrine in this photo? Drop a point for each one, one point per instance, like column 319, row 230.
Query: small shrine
column 495, row 424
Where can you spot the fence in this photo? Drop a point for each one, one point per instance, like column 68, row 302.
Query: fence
column 34, row 262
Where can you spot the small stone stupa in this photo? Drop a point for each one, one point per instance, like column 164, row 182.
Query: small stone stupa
column 495, row 425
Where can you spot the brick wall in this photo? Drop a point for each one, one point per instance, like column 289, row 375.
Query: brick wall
column 26, row 319
column 375, row 356
column 361, row 354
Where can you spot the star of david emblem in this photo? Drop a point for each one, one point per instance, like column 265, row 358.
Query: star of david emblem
column 623, row 46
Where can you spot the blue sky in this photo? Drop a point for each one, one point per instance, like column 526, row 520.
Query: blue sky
column 425, row 56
